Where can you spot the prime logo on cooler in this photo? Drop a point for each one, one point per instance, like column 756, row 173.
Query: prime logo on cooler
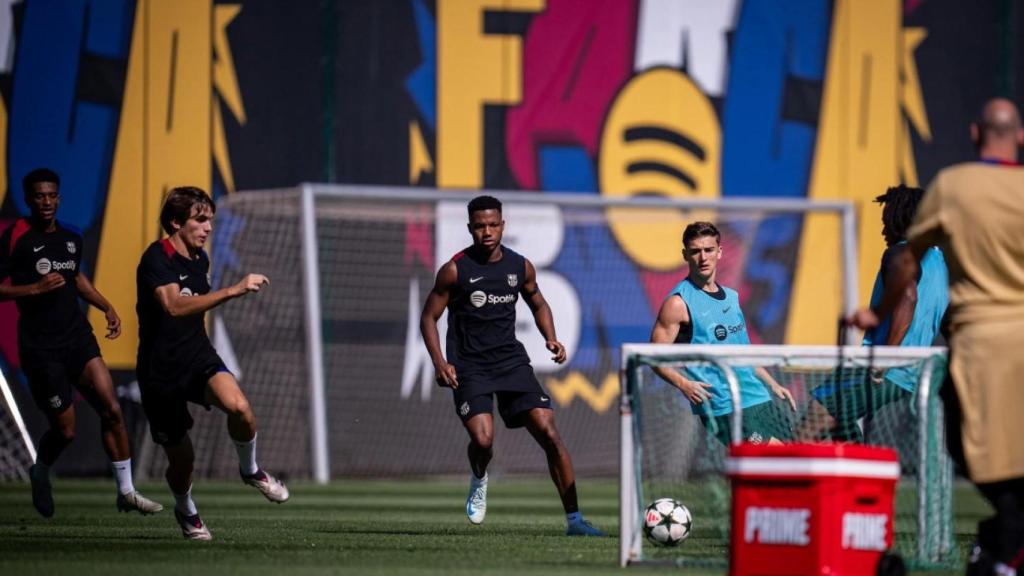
column 777, row 525
column 791, row 526
column 45, row 266
column 479, row 298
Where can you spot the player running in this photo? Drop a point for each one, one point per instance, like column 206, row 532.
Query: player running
column 699, row 310
column 480, row 287
column 56, row 345
column 177, row 363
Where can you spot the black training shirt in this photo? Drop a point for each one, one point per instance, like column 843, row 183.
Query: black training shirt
column 482, row 313
column 54, row 319
column 168, row 346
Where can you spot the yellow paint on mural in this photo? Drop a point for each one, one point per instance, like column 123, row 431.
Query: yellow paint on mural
column 225, row 80
column 419, row 157
column 473, row 69
column 163, row 140
column 575, row 385
column 666, row 100
column 857, row 157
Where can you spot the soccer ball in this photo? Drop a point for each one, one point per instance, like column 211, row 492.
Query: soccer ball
column 667, row 522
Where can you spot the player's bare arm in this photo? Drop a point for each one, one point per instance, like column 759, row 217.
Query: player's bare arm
column 905, row 267
column 177, row 305
column 542, row 314
column 671, row 317
column 774, row 387
column 90, row 294
column 437, row 301
column 47, row 283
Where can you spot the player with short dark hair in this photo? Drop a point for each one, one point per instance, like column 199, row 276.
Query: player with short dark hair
column 480, row 287
column 914, row 321
column 699, row 310
column 56, row 345
column 177, row 363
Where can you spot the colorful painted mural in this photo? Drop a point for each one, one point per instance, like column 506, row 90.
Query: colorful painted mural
column 823, row 99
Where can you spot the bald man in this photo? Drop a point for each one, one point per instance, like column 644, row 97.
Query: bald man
column 975, row 213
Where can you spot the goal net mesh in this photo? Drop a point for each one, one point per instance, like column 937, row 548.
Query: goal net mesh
column 841, row 394
column 15, row 457
column 603, row 268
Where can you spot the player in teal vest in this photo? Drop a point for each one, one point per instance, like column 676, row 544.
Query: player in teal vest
column 915, row 321
column 701, row 311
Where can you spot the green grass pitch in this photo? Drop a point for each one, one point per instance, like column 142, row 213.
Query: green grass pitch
column 348, row 527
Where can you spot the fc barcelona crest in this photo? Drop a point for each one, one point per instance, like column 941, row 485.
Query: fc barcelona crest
column 513, row 280
column 71, row 248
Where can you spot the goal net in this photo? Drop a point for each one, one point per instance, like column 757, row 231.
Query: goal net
column 881, row 396
column 331, row 358
column 16, row 450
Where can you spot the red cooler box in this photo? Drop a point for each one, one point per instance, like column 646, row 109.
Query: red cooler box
column 810, row 508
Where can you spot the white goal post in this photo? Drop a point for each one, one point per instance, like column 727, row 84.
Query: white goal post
column 337, row 337
column 926, row 538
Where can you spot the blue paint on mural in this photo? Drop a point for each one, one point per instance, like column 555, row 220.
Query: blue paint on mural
column 422, row 83
column 49, row 125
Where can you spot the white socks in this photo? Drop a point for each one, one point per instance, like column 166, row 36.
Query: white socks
column 247, row 456
column 184, row 503
column 123, row 475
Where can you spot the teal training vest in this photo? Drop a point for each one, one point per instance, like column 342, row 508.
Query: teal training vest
column 932, row 299
column 717, row 320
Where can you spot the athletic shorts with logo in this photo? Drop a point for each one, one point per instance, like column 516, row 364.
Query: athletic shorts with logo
column 165, row 398
column 761, row 423
column 53, row 373
column 517, row 390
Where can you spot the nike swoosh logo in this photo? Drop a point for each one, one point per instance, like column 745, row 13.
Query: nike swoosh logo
column 475, row 280
column 37, row 249
column 182, row 277
column 727, row 308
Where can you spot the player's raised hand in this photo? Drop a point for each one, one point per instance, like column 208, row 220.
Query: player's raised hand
column 49, row 282
column 252, row 283
column 696, row 392
column 556, row 348
column 113, row 324
column 445, row 376
column 864, row 319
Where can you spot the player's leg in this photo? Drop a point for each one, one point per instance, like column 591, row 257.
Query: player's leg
column 480, row 450
column 180, row 464
column 97, row 387
column 479, row 425
column 56, row 438
column 540, row 422
column 51, row 391
column 475, row 412
column 223, row 391
column 1002, row 536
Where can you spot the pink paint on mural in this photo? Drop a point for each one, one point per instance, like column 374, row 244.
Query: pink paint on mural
column 576, row 56
column 9, row 323
column 419, row 239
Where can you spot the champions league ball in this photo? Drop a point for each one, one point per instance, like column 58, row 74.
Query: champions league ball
column 667, row 522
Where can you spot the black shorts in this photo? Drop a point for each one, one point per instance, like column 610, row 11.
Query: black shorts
column 54, row 372
column 165, row 401
column 518, row 392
